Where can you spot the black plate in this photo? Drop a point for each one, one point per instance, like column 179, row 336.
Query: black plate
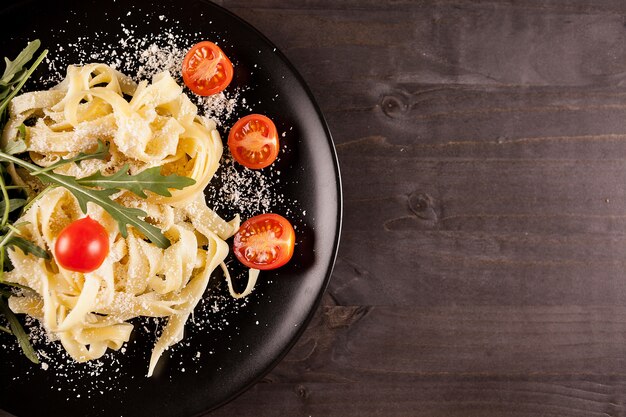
column 247, row 338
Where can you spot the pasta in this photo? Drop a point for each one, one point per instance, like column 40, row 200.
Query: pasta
column 146, row 125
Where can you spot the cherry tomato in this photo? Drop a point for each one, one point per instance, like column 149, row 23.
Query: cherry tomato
column 206, row 70
column 253, row 141
column 82, row 245
column 264, row 242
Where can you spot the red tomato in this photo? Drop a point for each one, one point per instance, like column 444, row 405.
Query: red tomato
column 82, row 245
column 264, row 242
column 206, row 70
column 253, row 141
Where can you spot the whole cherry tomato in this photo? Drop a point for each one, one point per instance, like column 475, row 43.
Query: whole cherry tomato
column 82, row 245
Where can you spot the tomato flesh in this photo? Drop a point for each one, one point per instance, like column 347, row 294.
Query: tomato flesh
column 206, row 69
column 253, row 141
column 265, row 242
column 82, row 245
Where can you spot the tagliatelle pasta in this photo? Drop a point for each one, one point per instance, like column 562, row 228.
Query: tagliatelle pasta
column 146, row 125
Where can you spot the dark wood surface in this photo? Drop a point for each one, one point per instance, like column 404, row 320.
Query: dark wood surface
column 482, row 263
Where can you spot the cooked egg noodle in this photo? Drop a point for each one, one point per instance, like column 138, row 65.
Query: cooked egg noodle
column 158, row 126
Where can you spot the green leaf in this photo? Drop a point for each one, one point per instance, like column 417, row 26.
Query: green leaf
column 5, row 292
column 83, row 189
column 15, row 66
column 22, row 79
column 7, row 265
column 27, row 247
column 148, row 180
column 100, row 153
column 5, row 197
column 16, row 79
column 14, row 147
column 21, row 131
column 151, row 180
column 18, row 331
column 4, row 329
column 14, row 204
column 123, row 215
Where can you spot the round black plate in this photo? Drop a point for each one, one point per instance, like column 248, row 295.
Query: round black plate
column 212, row 366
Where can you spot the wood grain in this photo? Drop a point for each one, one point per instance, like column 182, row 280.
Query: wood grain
column 483, row 150
column 525, row 361
column 482, row 146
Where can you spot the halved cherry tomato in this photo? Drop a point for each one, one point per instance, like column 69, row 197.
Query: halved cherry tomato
column 253, row 141
column 82, row 245
column 206, row 70
column 264, row 242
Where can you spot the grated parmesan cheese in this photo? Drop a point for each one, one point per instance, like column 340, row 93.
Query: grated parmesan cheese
column 234, row 190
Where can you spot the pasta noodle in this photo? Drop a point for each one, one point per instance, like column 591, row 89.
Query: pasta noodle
column 146, row 125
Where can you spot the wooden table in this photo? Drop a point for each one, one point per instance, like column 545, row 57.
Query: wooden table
column 483, row 154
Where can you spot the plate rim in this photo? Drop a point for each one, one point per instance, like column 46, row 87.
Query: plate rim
column 339, row 215
column 330, row 262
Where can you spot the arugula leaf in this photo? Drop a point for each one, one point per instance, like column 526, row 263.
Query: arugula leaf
column 27, row 247
column 5, row 197
column 148, row 180
column 100, row 153
column 4, row 92
column 18, row 145
column 21, row 132
column 15, row 66
column 15, row 146
column 15, row 85
column 123, row 215
column 18, row 331
column 14, row 204
column 13, row 79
